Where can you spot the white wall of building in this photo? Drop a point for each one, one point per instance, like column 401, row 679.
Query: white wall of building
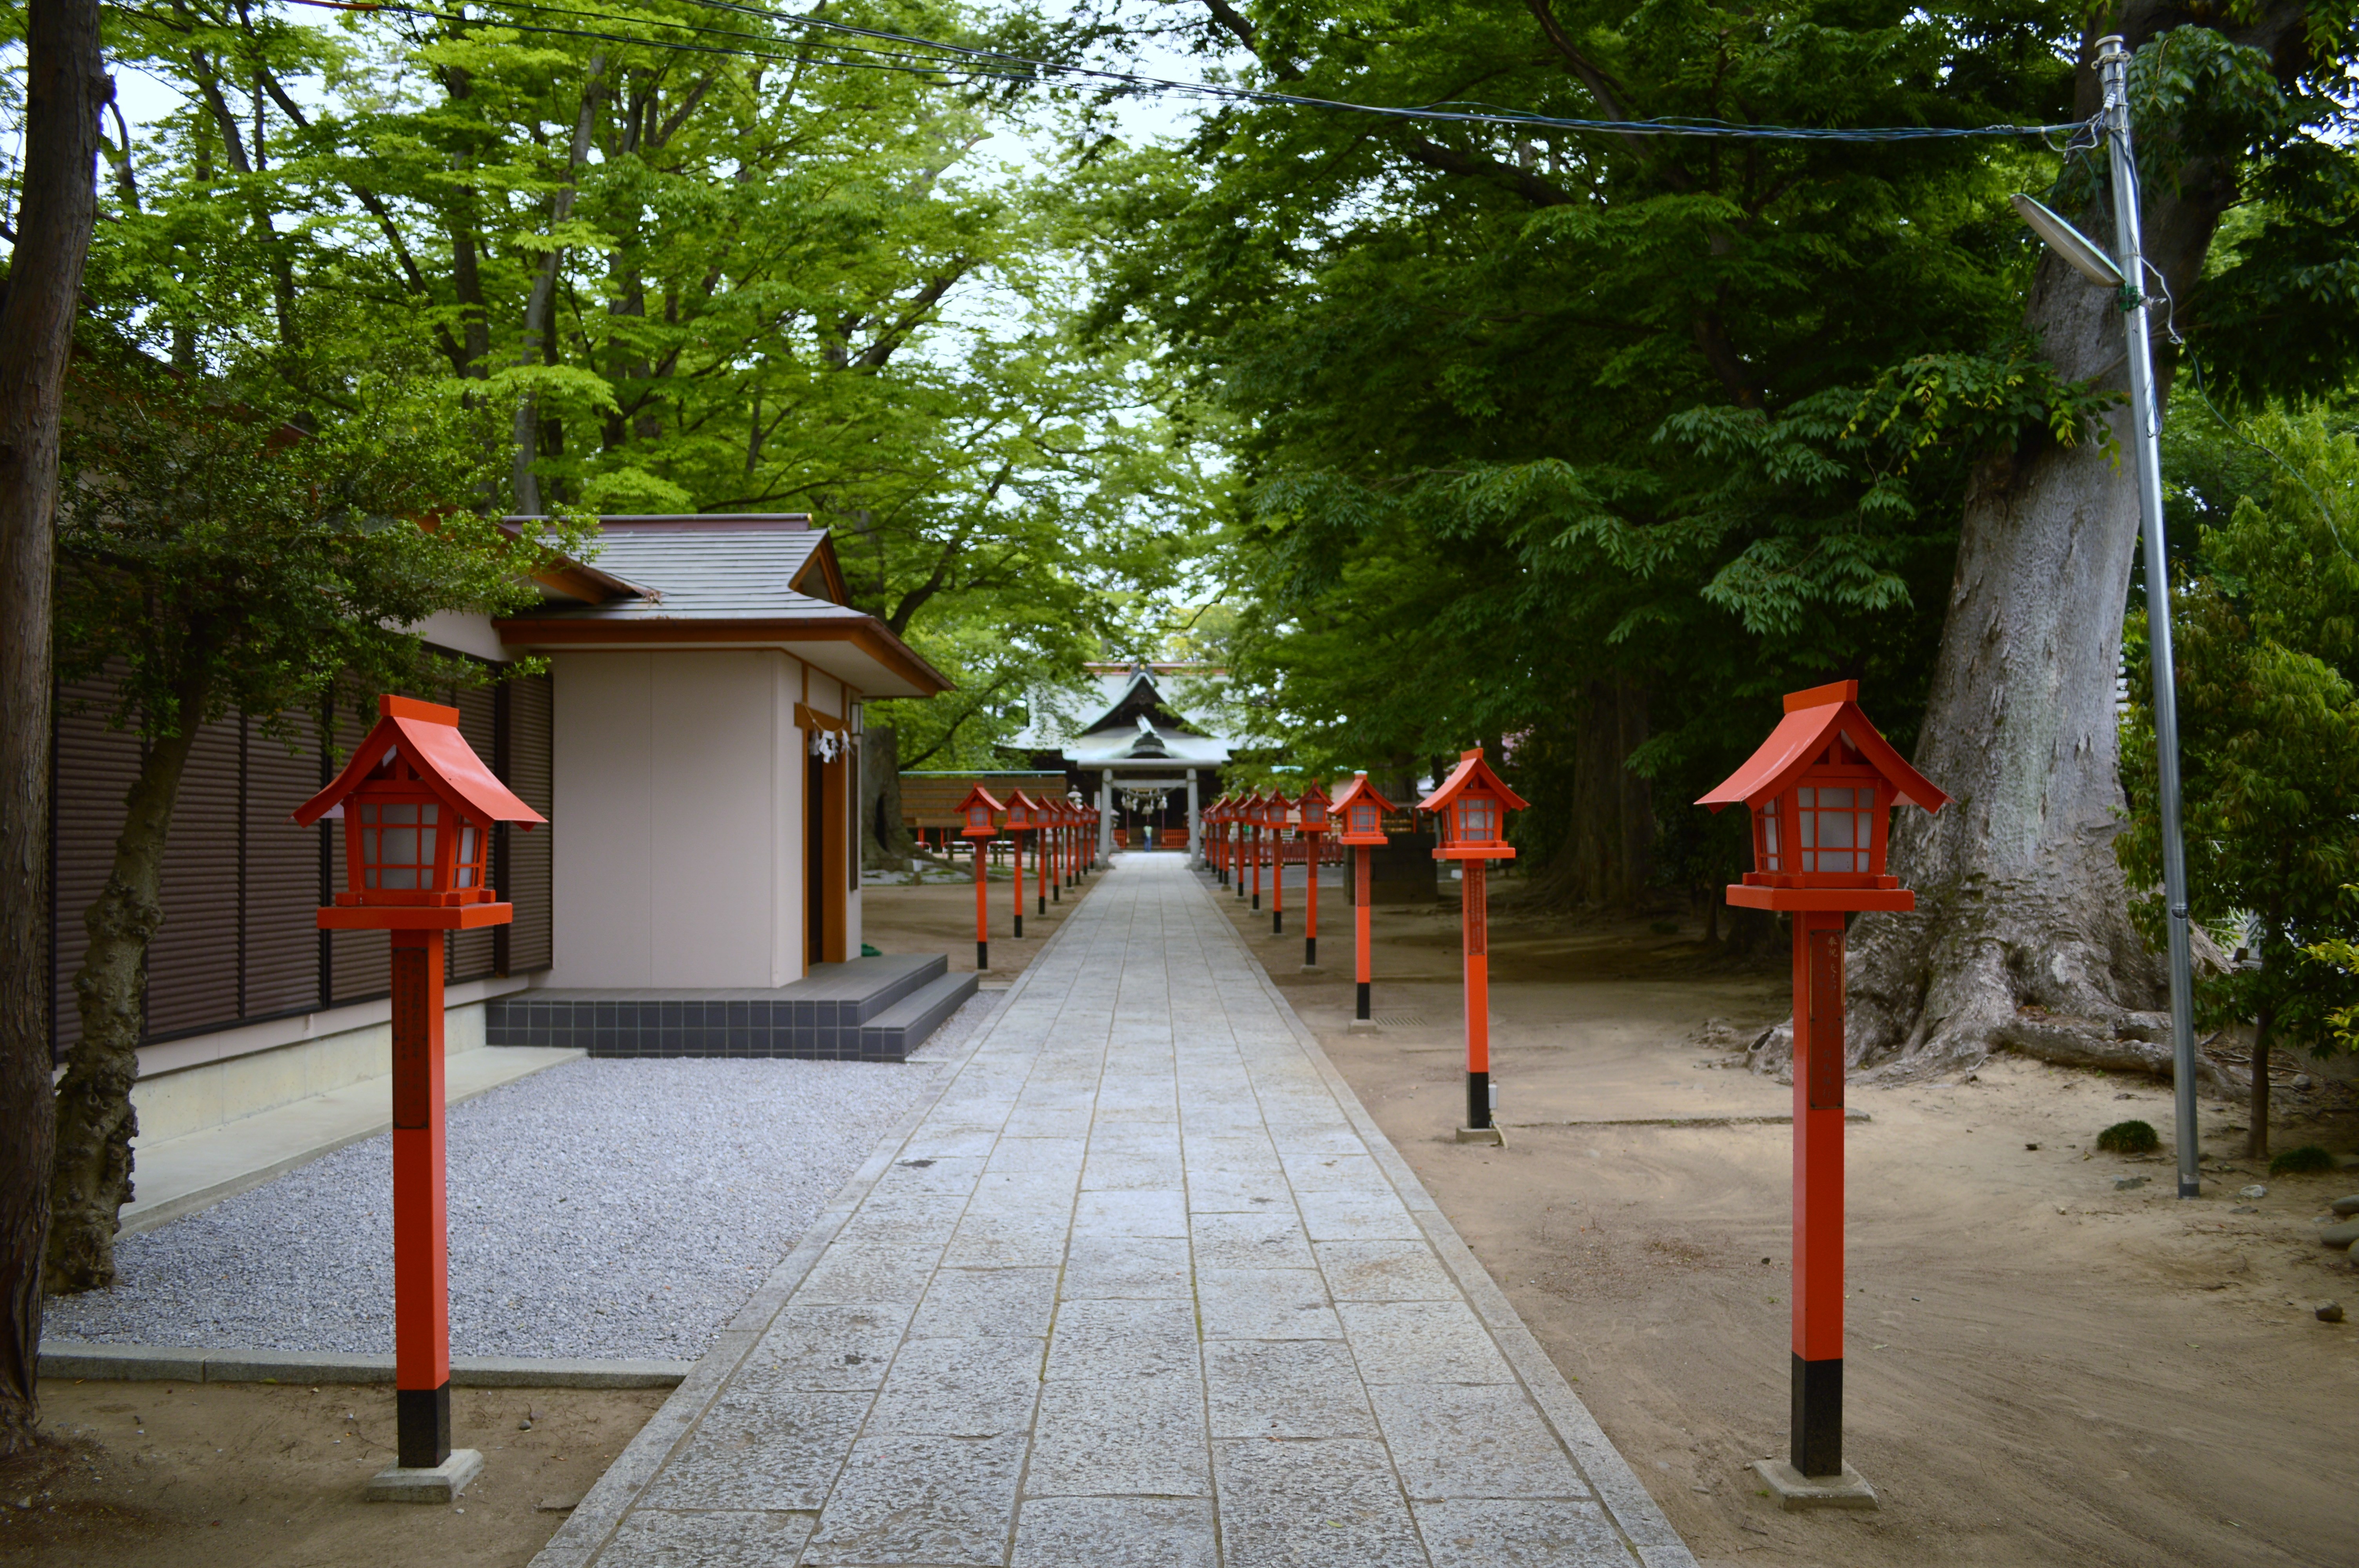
column 678, row 805
column 673, row 864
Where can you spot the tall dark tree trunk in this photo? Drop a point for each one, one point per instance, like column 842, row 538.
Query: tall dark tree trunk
column 523, row 484
column 1607, row 853
column 65, row 90
column 885, row 838
column 95, row 1122
column 2021, row 934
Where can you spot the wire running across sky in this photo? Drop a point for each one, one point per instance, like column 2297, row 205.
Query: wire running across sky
column 916, row 55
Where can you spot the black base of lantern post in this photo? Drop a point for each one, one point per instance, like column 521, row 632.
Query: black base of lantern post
column 1057, row 891
column 421, row 1425
column 1019, row 928
column 1818, row 1416
column 1257, row 901
column 1311, row 952
column 982, row 955
column 1478, row 1099
column 1277, row 923
column 1044, row 904
column 1363, row 1013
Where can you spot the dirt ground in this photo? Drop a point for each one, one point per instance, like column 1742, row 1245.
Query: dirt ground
column 938, row 916
column 201, row 1476
column 2042, row 1367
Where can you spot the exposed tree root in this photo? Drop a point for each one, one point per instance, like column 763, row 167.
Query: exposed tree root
column 2131, row 1042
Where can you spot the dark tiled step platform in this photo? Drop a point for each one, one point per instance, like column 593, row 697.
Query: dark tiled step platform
column 866, row 1010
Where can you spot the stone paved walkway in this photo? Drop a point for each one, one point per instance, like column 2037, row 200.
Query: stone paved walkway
column 1145, row 1286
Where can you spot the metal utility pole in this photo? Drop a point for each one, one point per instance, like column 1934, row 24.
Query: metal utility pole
column 2112, row 74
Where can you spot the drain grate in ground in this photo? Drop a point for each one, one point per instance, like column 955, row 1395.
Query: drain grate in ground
column 1398, row 1020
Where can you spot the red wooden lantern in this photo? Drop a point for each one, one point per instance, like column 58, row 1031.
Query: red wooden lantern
column 1310, row 815
column 1470, row 809
column 1359, row 813
column 1023, row 816
column 1276, row 821
column 1471, row 812
column 1821, row 790
column 976, row 813
column 1249, row 846
column 419, row 809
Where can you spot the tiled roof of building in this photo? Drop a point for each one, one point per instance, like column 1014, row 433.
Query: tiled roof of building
column 726, row 569
column 762, row 581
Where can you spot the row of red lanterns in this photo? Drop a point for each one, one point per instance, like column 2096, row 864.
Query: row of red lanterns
column 1819, row 791
column 1469, row 815
column 1065, row 851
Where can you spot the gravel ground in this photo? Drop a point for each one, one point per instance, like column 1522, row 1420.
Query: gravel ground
column 610, row 1209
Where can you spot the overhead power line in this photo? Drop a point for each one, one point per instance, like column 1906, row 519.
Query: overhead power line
column 941, row 58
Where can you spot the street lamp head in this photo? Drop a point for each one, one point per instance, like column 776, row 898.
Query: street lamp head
column 2079, row 252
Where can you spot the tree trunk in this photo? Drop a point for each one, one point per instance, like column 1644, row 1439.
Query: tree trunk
column 65, row 88
column 526, row 436
column 2257, row 1136
column 884, row 839
column 2021, row 908
column 1606, row 856
column 94, row 1119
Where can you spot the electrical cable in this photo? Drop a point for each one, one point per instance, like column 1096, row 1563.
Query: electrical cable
column 993, row 65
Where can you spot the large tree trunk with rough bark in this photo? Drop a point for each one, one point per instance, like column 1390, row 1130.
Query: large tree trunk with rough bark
column 65, row 88
column 95, row 1122
column 885, row 838
column 2021, row 936
column 1605, row 856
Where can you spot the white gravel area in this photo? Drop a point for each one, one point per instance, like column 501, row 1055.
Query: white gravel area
column 613, row 1209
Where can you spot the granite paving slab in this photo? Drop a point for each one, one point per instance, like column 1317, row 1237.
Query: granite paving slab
column 1144, row 1287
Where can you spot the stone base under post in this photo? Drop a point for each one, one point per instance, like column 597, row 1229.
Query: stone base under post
column 442, row 1484
column 1796, row 1492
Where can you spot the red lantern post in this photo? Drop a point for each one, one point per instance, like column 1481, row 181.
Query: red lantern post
column 1360, row 817
column 418, row 807
column 1311, row 816
column 1471, row 810
column 1023, row 816
column 1821, row 790
column 1251, row 826
column 1277, row 814
column 976, row 813
column 1218, row 816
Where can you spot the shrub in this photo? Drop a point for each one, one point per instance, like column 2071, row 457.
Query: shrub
column 2129, row 1137
column 2306, row 1161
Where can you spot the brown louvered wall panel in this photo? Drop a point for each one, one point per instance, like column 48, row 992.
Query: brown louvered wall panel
column 282, row 873
column 193, row 959
column 468, row 954
column 360, row 965
column 531, row 707
column 241, row 882
column 95, row 769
